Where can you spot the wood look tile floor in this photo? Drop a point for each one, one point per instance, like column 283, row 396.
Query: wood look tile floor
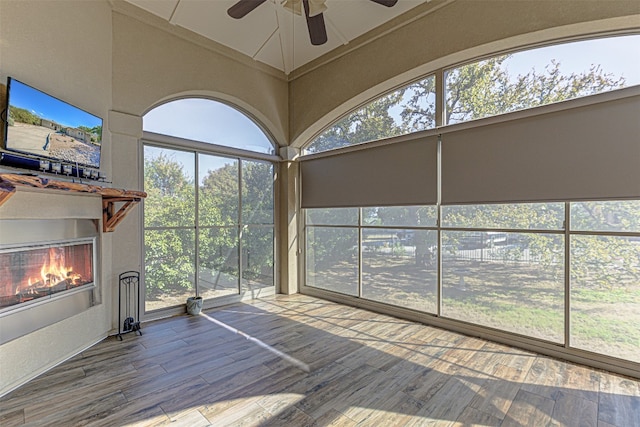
column 300, row 361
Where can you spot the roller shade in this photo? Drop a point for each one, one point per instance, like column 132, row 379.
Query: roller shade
column 585, row 153
column 403, row 173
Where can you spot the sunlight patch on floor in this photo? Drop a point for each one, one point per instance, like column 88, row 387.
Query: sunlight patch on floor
column 292, row 360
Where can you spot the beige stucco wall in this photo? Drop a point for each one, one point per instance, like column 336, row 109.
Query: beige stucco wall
column 151, row 65
column 63, row 48
column 455, row 31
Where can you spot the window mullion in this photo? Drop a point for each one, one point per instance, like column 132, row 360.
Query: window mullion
column 567, row 275
column 196, row 223
column 359, row 252
column 241, row 229
column 440, row 98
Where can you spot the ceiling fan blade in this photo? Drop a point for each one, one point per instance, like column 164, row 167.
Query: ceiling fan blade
column 317, row 29
column 388, row 3
column 243, row 7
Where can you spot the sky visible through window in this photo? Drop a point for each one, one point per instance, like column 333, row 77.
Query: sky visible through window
column 207, row 121
column 619, row 56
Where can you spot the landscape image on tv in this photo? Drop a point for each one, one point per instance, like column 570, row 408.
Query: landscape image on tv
column 44, row 126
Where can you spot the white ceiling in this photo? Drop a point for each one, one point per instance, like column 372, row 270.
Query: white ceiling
column 272, row 34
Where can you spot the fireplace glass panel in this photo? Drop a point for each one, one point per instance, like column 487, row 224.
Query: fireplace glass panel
column 36, row 272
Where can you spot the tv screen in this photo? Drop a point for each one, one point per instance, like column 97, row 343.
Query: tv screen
column 45, row 127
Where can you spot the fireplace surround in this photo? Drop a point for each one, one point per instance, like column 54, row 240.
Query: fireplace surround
column 36, row 273
column 45, row 223
column 49, row 271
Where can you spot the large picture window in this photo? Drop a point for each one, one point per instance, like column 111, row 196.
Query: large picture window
column 605, row 278
column 507, row 280
column 532, row 229
column 385, row 254
column 212, row 236
column 506, row 266
column 209, row 216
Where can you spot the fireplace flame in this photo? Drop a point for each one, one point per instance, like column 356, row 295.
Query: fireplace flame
column 27, row 274
column 53, row 272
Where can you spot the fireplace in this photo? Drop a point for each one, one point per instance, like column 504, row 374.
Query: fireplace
column 40, row 272
column 55, row 264
column 49, row 270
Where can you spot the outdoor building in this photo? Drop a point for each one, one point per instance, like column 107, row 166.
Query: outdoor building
column 51, row 125
column 78, row 134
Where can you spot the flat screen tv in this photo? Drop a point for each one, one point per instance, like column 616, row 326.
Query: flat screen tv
column 42, row 126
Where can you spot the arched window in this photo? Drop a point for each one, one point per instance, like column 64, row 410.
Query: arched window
column 540, row 76
column 207, row 121
column 497, row 85
column 209, row 215
column 387, row 116
column 518, row 224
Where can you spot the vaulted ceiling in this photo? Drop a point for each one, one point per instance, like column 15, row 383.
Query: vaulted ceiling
column 271, row 33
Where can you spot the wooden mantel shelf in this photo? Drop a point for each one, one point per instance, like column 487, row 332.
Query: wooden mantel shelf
column 110, row 217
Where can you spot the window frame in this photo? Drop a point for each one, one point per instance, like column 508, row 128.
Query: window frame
column 565, row 349
column 439, row 73
column 198, row 147
column 365, row 104
column 268, row 136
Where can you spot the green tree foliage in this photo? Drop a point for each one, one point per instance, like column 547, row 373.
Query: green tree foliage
column 476, row 90
column 257, row 212
column 606, row 216
column 257, row 192
column 540, row 216
column 418, row 113
column 329, row 245
column 219, row 196
column 219, row 253
column 218, row 219
column 95, row 131
column 487, row 88
column 219, row 193
column 534, row 89
column 170, row 193
column 605, row 261
column 23, row 116
column 373, row 121
column 171, row 202
column 169, row 254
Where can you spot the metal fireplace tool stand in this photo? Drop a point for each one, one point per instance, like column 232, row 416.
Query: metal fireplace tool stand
column 129, row 287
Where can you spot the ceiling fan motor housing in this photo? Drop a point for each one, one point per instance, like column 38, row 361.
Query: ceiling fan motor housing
column 313, row 13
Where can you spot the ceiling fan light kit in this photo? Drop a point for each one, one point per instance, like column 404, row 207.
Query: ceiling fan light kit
column 293, row 6
column 313, row 13
column 316, row 7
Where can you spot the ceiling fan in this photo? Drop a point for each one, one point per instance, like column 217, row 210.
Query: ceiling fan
column 312, row 12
